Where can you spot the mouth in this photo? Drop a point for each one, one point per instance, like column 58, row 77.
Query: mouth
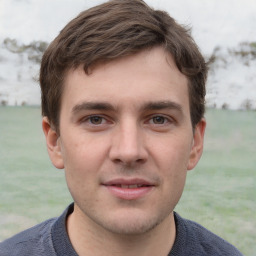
column 130, row 186
column 129, row 189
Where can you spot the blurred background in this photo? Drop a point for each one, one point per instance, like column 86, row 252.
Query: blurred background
column 220, row 193
column 224, row 30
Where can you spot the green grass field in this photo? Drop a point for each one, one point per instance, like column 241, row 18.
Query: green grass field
column 220, row 193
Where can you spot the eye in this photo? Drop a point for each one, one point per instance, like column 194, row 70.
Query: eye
column 96, row 120
column 159, row 120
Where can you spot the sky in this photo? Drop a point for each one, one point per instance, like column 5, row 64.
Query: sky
column 214, row 22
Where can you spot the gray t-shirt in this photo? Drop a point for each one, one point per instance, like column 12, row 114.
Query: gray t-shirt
column 50, row 238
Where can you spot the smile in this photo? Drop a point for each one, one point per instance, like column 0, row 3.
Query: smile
column 129, row 189
column 131, row 186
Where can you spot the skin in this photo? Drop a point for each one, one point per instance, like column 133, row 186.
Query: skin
column 128, row 121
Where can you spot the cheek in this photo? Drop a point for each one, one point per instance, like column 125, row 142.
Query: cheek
column 81, row 174
column 174, row 176
column 172, row 162
column 82, row 150
column 83, row 160
column 172, row 156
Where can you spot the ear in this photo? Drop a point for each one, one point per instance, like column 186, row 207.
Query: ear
column 53, row 144
column 197, row 146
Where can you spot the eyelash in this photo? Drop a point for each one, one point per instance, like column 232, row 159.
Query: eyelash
column 165, row 120
column 89, row 120
column 150, row 120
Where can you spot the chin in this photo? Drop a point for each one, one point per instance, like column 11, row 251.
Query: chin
column 132, row 224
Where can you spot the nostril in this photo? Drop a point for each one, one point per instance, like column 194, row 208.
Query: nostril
column 117, row 161
column 130, row 163
column 127, row 146
column 141, row 160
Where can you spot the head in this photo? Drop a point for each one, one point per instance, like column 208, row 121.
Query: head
column 112, row 30
column 123, row 100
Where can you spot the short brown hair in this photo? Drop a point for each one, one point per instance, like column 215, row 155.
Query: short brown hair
column 116, row 29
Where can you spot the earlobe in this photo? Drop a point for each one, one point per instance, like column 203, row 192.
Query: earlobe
column 53, row 144
column 198, row 143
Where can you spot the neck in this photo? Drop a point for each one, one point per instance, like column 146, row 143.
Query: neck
column 88, row 239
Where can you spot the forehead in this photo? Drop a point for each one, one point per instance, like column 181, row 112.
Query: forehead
column 148, row 76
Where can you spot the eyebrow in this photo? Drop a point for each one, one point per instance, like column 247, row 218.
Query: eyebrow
column 149, row 106
column 92, row 106
column 159, row 105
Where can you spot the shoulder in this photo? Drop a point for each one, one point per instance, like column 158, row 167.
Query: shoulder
column 33, row 241
column 201, row 241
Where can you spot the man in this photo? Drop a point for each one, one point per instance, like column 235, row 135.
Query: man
column 123, row 90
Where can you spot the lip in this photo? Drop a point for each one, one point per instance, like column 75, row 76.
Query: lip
column 129, row 189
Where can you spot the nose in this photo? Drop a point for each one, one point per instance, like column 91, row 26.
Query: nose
column 128, row 147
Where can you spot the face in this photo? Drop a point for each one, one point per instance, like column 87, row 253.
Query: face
column 126, row 141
